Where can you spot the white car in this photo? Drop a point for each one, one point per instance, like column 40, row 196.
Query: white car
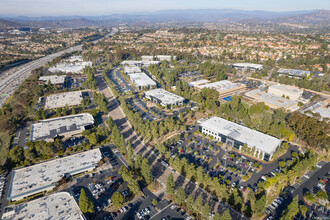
column 173, row 206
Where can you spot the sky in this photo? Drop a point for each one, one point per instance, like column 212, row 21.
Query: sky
column 106, row 7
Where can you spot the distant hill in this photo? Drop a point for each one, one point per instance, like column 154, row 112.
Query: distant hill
column 5, row 24
column 57, row 23
column 175, row 17
column 317, row 17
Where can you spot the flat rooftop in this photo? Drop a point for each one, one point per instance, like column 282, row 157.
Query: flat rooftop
column 54, row 79
column 132, row 69
column 287, row 89
column 199, row 82
column 33, row 179
column 164, row 96
column 220, row 86
column 252, row 138
column 76, row 67
column 63, row 99
column 278, row 101
column 294, row 72
column 141, row 79
column 248, row 65
column 50, row 128
column 59, row 205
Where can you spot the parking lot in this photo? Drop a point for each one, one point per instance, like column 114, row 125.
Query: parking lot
column 4, row 187
column 151, row 112
column 121, row 83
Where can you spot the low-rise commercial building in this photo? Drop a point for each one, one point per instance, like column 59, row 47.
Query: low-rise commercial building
column 67, row 126
column 236, row 135
column 53, row 79
column 142, row 81
column 61, row 100
column 199, row 83
column 44, row 176
column 60, row 205
column 224, row 87
column 272, row 101
column 293, row 73
column 245, row 66
column 158, row 57
column 286, row 91
column 163, row 97
column 132, row 69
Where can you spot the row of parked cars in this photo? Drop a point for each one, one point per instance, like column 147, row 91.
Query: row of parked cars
column 96, row 189
column 2, row 185
column 273, row 206
column 143, row 212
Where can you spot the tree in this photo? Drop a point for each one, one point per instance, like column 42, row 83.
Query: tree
column 16, row 154
column 180, row 196
column 170, row 184
column 217, row 216
column 117, row 199
column 93, row 138
column 146, row 171
column 154, row 202
column 198, row 204
column 206, row 209
column 303, row 210
column 292, row 210
column 130, row 153
column 138, row 162
column 226, row 216
column 282, row 164
column 85, row 203
column 260, row 205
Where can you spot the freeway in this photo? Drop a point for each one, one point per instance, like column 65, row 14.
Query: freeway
column 162, row 172
column 12, row 78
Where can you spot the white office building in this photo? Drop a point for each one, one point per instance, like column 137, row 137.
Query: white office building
column 60, row 205
column 237, row 135
column 44, row 176
column 245, row 66
column 163, row 97
column 142, row 81
column 67, row 126
column 61, row 100
column 286, row 91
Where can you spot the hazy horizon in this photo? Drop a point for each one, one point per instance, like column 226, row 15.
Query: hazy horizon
column 38, row 8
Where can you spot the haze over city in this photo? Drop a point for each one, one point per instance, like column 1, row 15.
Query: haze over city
column 105, row 7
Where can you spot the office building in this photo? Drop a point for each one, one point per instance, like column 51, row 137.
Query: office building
column 60, row 205
column 272, row 101
column 44, row 176
column 66, row 126
column 60, row 100
column 245, row 66
column 142, row 81
column 285, row 91
column 163, row 97
column 236, row 135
